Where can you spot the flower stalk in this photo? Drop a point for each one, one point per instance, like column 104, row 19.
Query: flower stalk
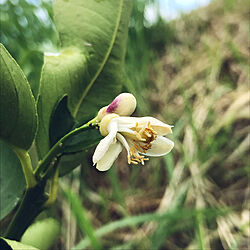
column 57, row 149
column 25, row 160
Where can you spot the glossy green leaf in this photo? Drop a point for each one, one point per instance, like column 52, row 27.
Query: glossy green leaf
column 82, row 141
column 18, row 120
column 90, row 66
column 74, row 149
column 12, row 182
column 6, row 244
column 69, row 162
column 61, row 121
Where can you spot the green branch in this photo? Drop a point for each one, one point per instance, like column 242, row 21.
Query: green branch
column 42, row 169
column 25, row 160
column 35, row 199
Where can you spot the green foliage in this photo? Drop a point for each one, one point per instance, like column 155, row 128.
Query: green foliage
column 12, row 181
column 18, row 119
column 42, row 234
column 99, row 30
column 61, row 121
column 6, row 244
column 27, row 31
column 61, row 74
column 90, row 64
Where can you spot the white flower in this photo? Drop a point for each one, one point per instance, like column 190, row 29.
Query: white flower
column 141, row 137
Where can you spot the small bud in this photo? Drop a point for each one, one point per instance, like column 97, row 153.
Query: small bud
column 101, row 113
column 105, row 122
column 123, row 105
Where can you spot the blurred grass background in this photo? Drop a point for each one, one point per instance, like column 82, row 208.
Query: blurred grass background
column 192, row 72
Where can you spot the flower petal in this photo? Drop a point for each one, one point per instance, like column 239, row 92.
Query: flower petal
column 110, row 156
column 123, row 141
column 160, row 147
column 104, row 144
column 125, row 123
column 158, row 126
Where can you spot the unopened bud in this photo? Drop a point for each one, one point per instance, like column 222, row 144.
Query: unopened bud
column 105, row 122
column 123, row 105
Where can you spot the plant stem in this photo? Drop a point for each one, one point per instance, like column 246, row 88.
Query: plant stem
column 57, row 149
column 53, row 188
column 35, row 200
column 31, row 206
column 25, row 160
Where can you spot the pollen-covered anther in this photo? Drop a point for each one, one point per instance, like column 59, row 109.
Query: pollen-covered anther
column 134, row 157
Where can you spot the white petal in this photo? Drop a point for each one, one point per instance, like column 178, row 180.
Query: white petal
column 110, row 156
column 128, row 122
column 123, row 141
column 160, row 127
column 160, row 147
column 104, row 145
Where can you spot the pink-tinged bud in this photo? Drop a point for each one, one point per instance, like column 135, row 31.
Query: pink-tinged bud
column 123, row 105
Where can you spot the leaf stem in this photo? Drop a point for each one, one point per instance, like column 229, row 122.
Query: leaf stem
column 53, row 189
column 57, row 149
column 25, row 160
column 31, row 206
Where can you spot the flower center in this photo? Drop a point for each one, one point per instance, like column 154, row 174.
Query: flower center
column 141, row 142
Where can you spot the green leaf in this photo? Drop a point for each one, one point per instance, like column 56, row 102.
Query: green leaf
column 69, row 162
column 42, row 234
column 6, row 244
column 74, row 149
column 12, row 182
column 59, row 75
column 90, row 66
column 61, row 121
column 18, row 120
column 82, row 141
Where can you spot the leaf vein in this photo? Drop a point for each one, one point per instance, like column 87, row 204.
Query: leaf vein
column 103, row 63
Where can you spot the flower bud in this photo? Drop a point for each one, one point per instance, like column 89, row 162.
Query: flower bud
column 123, row 105
column 105, row 122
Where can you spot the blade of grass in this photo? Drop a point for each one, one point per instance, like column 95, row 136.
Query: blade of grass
column 116, row 188
column 82, row 220
column 172, row 216
column 200, row 234
column 169, row 164
column 166, row 227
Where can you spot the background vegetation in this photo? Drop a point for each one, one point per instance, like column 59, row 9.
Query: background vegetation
column 192, row 72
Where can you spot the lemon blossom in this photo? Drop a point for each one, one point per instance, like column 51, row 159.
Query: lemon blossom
column 140, row 136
